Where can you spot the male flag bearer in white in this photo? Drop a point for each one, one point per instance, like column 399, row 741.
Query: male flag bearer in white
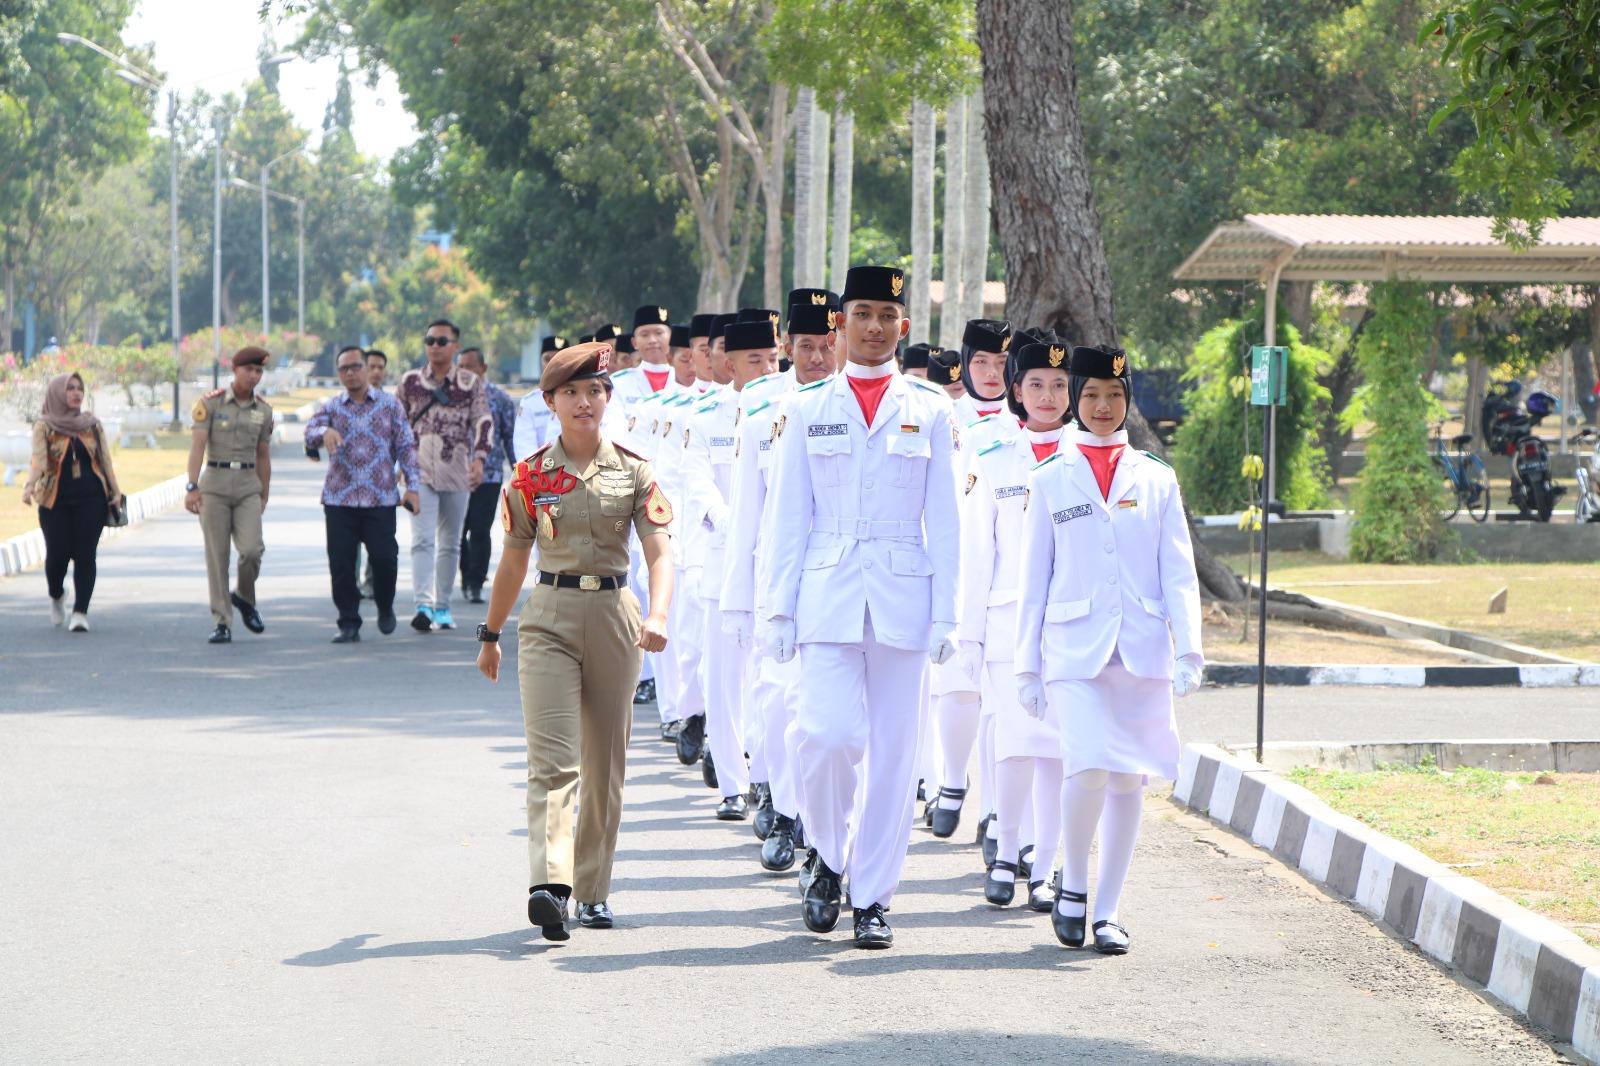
column 864, row 459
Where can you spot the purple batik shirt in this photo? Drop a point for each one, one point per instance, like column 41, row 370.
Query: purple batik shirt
column 377, row 438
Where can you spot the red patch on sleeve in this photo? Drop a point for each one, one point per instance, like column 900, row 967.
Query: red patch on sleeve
column 657, row 509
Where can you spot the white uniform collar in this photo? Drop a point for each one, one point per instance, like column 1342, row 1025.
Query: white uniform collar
column 862, row 372
column 1049, row 436
column 1094, row 440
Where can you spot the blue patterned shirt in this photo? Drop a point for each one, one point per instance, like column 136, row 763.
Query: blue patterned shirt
column 377, row 438
column 504, row 411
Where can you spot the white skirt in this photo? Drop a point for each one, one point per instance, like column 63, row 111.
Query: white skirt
column 1116, row 722
column 1017, row 734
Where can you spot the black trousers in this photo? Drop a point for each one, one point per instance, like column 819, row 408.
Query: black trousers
column 373, row 529
column 477, row 535
column 72, row 531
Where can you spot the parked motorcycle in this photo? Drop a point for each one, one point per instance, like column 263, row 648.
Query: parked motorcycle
column 1508, row 428
column 1588, row 474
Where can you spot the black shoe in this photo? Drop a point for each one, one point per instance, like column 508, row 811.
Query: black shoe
column 732, row 809
column 708, row 770
column 669, row 731
column 1025, row 863
column 348, row 635
column 1000, row 893
column 927, row 810
column 475, row 595
column 645, row 692
column 547, row 909
column 766, row 814
column 1110, row 938
column 872, row 930
column 983, row 828
column 991, row 849
column 777, row 851
column 1069, row 930
column 945, row 823
column 220, row 635
column 422, row 621
column 1041, row 896
column 808, row 871
column 820, row 908
column 248, row 613
column 386, row 622
column 596, row 915
column 691, row 738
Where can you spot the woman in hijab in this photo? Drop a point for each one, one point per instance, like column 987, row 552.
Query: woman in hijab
column 72, row 481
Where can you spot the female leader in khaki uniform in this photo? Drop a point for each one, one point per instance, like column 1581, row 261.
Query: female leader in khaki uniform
column 580, row 640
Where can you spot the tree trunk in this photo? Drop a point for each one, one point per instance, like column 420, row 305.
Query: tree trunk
column 1296, row 305
column 805, row 110
column 1586, row 362
column 922, row 135
column 844, row 169
column 817, row 257
column 956, row 143
column 1049, row 231
column 8, row 316
column 975, row 217
column 772, row 197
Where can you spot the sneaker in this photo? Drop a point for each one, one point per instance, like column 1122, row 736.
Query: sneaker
column 422, row 621
column 79, row 623
column 58, row 611
column 442, row 619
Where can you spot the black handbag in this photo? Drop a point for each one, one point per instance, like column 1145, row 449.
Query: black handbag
column 117, row 514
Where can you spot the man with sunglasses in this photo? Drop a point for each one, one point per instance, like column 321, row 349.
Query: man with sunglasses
column 448, row 410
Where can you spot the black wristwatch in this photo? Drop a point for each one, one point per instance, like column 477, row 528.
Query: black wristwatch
column 485, row 636
column 191, row 486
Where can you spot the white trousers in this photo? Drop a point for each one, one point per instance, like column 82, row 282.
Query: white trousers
column 436, row 545
column 724, row 701
column 691, row 635
column 859, row 724
column 668, row 682
column 639, row 581
column 773, row 698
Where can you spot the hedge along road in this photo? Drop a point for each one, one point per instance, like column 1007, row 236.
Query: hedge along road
column 282, row 851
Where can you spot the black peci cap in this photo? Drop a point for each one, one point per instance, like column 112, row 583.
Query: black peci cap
column 810, row 318
column 651, row 315
column 700, row 325
column 944, row 366
column 720, row 323
column 608, row 332
column 748, row 336
column 680, row 337
column 552, row 344
column 916, row 357
column 881, row 283
column 1034, row 355
column 818, row 297
column 624, row 343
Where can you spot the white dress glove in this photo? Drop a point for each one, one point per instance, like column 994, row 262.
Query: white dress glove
column 777, row 637
column 1185, row 676
column 741, row 626
column 940, row 645
column 971, row 661
column 1030, row 693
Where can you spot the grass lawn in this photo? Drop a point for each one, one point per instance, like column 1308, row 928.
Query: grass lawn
column 1531, row 837
column 1551, row 606
column 137, row 468
column 285, row 402
column 1298, row 645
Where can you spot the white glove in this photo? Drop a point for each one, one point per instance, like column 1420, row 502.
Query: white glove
column 777, row 637
column 1030, row 693
column 1185, row 676
column 741, row 626
column 971, row 660
column 940, row 645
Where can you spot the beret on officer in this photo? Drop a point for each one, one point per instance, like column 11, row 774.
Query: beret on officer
column 552, row 344
column 680, row 337
column 251, row 356
column 749, row 337
column 1035, row 355
column 944, row 366
column 916, row 357
column 581, row 362
column 700, row 325
column 811, row 318
column 651, row 315
column 880, row 283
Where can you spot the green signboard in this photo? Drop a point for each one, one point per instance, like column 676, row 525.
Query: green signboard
column 1268, row 366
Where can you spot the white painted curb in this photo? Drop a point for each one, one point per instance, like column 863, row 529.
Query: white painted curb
column 26, row 550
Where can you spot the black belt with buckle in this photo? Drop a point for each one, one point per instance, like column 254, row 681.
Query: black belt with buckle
column 231, row 466
column 586, row 582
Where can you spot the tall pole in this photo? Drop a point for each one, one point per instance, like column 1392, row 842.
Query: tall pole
column 300, row 267
column 266, row 273
column 172, row 207
column 216, row 256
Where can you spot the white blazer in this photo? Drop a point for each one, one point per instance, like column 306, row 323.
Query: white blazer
column 664, row 422
column 1103, row 574
column 762, row 403
column 991, row 543
column 848, row 507
column 708, row 445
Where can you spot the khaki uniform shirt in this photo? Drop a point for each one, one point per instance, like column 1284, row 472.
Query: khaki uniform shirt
column 234, row 430
column 579, row 518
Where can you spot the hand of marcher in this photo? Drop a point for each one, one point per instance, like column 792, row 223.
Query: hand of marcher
column 331, row 440
column 653, row 633
column 1186, row 676
column 191, row 501
column 777, row 637
column 740, row 625
column 940, row 645
column 489, row 660
column 971, row 660
column 1030, row 693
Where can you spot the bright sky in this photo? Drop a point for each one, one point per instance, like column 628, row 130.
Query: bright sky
column 211, row 44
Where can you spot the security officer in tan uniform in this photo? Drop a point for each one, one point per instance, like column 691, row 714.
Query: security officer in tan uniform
column 233, row 436
column 580, row 640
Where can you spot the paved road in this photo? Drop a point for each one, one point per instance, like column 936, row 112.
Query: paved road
column 288, row 852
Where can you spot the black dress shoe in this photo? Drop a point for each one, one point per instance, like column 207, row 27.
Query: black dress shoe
column 1069, row 930
column 386, row 622
column 645, row 692
column 991, row 849
column 872, row 930
column 691, row 738
column 777, row 851
column 708, row 770
column 820, row 908
column 669, row 731
column 596, row 915
column 475, row 596
column 1000, row 893
column 800, row 843
column 220, row 635
column 1110, row 938
column 1041, row 896
column 766, row 814
column 422, row 621
column 248, row 613
column 808, row 871
column 946, row 822
column 547, row 909
column 348, row 635
column 732, row 809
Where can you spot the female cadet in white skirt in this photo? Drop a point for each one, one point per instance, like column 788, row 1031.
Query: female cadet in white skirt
column 1027, row 751
column 1108, row 631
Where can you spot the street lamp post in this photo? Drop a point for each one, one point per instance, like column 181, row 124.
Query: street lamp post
column 266, row 272
column 218, row 123
column 300, row 225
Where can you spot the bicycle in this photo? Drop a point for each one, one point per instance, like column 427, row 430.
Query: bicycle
column 1466, row 480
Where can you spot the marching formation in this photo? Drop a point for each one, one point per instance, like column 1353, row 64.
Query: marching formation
column 938, row 575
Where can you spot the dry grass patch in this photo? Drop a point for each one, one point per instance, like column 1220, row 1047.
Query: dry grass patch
column 137, row 468
column 1291, row 644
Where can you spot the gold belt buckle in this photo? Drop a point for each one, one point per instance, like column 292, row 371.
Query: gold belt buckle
column 589, row 583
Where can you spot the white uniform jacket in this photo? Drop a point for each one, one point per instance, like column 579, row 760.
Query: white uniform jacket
column 708, row 447
column 991, row 544
column 663, row 422
column 849, row 502
column 536, row 424
column 763, row 401
column 1099, row 575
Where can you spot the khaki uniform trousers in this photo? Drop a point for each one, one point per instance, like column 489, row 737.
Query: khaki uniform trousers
column 230, row 509
column 577, row 665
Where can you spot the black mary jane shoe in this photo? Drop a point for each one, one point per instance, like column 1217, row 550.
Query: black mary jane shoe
column 1000, row 893
column 766, row 814
column 777, row 851
column 983, row 829
column 1025, row 863
column 596, row 915
column 946, row 822
column 1110, row 938
column 732, row 809
column 1041, row 896
column 820, row 907
column 872, row 929
column 691, row 738
column 1069, row 930
column 348, row 635
column 248, row 613
column 220, row 635
column 547, row 909
column 991, row 849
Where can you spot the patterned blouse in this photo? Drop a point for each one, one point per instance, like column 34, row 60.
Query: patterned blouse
column 504, row 411
column 453, row 430
column 376, row 439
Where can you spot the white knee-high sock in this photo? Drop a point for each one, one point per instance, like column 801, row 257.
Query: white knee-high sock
column 1013, row 778
column 958, row 727
column 1046, row 808
column 1082, row 797
column 1119, row 831
column 986, row 778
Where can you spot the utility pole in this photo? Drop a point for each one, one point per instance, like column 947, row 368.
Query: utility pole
column 172, row 197
column 216, row 253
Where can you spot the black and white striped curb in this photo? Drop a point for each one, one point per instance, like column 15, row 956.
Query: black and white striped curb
column 1526, row 675
column 26, row 550
column 1536, row 967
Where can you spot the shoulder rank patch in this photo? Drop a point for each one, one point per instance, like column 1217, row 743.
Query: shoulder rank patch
column 989, row 447
column 980, row 420
column 817, row 384
column 624, row 372
column 1046, row 460
column 1157, row 458
column 200, row 412
column 656, row 507
column 709, row 405
column 762, row 406
column 930, row 386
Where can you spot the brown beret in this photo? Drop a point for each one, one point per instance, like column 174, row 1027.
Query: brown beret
column 581, row 361
column 251, row 356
